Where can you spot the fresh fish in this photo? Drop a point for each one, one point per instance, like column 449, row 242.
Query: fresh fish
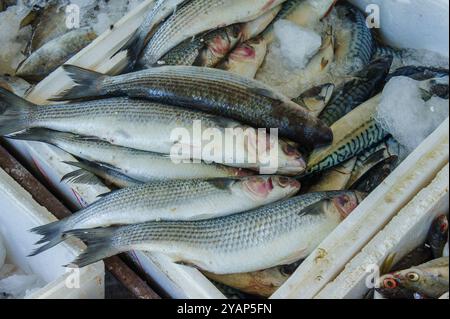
column 435, row 87
column 429, row 279
column 290, row 230
column 54, row 54
column 438, row 236
column 246, row 59
column 372, row 179
column 158, row 128
column 137, row 42
column 418, row 73
column 355, row 45
column 334, row 179
column 172, row 201
column 391, row 289
column 353, row 134
column 211, row 48
column 138, row 165
column 262, row 283
column 48, row 22
column 89, row 170
column 416, row 257
column 388, row 150
column 14, row 84
column 316, row 98
column 197, row 16
column 368, row 83
column 207, row 89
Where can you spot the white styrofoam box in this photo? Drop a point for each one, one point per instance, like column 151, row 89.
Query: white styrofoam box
column 404, row 232
column 415, row 173
column 19, row 212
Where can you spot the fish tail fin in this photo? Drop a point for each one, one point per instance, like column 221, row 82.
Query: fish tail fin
column 34, row 134
column 14, row 112
column 52, row 233
column 133, row 48
column 99, row 243
column 88, row 84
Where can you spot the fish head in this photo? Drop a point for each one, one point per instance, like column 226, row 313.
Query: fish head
column 409, row 278
column 290, row 161
column 269, row 188
column 391, row 288
column 347, row 202
column 441, row 225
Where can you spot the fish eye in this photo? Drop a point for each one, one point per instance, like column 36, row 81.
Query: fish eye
column 290, row 150
column 283, row 181
column 412, row 276
column 390, row 283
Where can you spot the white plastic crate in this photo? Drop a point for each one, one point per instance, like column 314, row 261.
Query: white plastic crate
column 404, row 232
column 399, row 19
column 19, row 213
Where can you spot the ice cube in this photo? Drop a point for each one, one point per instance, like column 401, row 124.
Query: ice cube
column 406, row 115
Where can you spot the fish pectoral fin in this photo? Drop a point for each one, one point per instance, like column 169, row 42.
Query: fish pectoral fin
column 388, row 263
column 314, row 209
column 81, row 176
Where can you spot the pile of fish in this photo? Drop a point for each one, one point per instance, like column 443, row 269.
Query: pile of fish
column 423, row 273
column 196, row 61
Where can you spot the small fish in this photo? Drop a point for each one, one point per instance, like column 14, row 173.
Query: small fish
column 197, row 16
column 290, row 230
column 438, row 236
column 139, row 39
column 246, row 58
column 88, row 170
column 316, row 98
column 262, row 283
column 171, row 201
column 429, row 279
column 353, row 134
column 368, row 83
column 391, row 289
column 54, row 54
column 138, row 165
column 334, row 179
column 206, row 89
column 418, row 73
column 388, row 150
column 355, row 46
column 148, row 126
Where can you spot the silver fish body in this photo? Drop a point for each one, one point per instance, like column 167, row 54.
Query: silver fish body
column 139, row 165
column 197, row 16
column 210, row 90
column 172, row 201
column 278, row 234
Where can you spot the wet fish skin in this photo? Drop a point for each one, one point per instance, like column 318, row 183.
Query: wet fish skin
column 152, row 127
column 172, row 201
column 353, row 134
column 197, row 16
column 316, row 98
column 387, row 151
column 262, row 283
column 390, row 289
column 238, row 243
column 372, row 179
column 87, row 170
column 208, row 90
column 430, row 279
column 438, row 236
column 368, row 83
column 54, row 54
column 355, row 46
column 14, row 84
column 416, row 257
column 418, row 73
column 138, row 165
column 334, row 179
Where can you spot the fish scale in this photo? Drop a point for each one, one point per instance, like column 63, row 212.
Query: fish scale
column 220, row 245
column 197, row 16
